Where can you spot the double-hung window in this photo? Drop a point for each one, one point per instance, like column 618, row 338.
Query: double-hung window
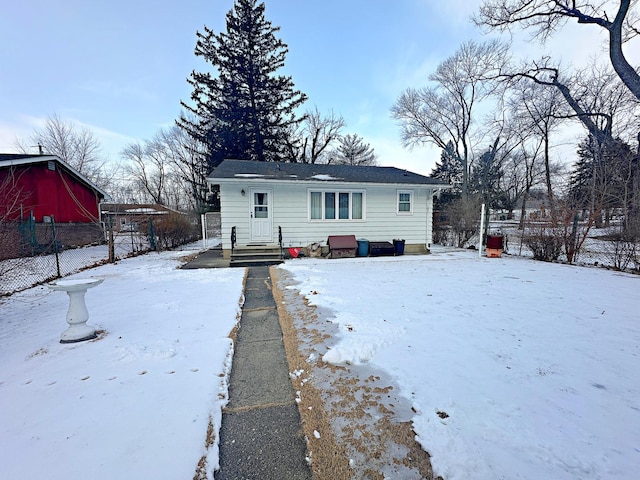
column 405, row 202
column 336, row 205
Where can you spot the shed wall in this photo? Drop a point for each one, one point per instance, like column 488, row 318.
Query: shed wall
column 46, row 192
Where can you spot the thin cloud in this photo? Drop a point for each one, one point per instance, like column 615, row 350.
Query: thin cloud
column 22, row 128
column 129, row 90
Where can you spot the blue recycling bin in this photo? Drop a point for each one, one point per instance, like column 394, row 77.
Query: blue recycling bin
column 363, row 247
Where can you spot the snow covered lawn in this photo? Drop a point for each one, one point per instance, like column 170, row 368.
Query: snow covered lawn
column 515, row 368
column 135, row 403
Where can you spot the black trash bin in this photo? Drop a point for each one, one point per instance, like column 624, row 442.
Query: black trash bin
column 398, row 246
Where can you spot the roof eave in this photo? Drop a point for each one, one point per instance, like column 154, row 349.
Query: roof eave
column 55, row 158
column 215, row 180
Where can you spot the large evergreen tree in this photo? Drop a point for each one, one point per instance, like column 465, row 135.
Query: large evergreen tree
column 603, row 178
column 485, row 179
column 246, row 110
column 449, row 169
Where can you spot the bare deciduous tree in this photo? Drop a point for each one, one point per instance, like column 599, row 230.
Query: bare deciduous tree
column 446, row 112
column 170, row 169
column 148, row 168
column 606, row 100
column 312, row 140
column 500, row 162
column 526, row 171
column 11, row 198
column 539, row 110
column 603, row 106
column 75, row 145
column 188, row 157
column 545, row 17
column 319, row 134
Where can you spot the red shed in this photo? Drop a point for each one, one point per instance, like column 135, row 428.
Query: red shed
column 46, row 186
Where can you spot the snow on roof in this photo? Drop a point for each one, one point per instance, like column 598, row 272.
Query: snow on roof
column 324, row 177
column 149, row 211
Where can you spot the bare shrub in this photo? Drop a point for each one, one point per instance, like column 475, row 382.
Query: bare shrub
column 464, row 220
column 544, row 242
column 173, row 230
column 441, row 234
column 622, row 249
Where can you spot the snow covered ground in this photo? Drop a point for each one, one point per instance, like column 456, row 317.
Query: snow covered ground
column 20, row 273
column 515, row 368
column 136, row 402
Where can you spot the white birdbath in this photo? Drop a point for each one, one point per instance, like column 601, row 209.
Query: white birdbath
column 78, row 314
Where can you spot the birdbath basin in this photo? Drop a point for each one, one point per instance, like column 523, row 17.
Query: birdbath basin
column 77, row 315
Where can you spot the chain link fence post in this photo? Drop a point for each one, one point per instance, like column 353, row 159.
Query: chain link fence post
column 55, row 245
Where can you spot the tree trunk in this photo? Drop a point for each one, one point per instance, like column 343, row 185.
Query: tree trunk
column 547, row 172
column 625, row 71
column 523, row 210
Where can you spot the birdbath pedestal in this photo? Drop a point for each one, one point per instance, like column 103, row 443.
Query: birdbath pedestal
column 78, row 314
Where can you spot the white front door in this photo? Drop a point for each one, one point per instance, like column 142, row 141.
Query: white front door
column 261, row 218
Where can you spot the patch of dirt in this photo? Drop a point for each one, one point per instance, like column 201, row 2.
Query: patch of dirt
column 187, row 258
column 356, row 424
column 100, row 334
column 233, row 335
column 201, row 469
column 40, row 351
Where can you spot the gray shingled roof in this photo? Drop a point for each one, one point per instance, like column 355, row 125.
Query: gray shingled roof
column 244, row 169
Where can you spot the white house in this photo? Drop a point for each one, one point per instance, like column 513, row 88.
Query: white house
column 306, row 203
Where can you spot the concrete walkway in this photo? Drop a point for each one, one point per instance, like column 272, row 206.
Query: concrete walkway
column 261, row 437
column 211, row 258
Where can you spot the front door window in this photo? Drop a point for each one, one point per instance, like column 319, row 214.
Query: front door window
column 261, row 216
column 260, row 205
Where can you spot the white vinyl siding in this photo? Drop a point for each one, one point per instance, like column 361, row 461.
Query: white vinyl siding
column 298, row 206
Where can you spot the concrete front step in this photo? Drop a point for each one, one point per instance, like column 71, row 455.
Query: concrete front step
column 247, row 256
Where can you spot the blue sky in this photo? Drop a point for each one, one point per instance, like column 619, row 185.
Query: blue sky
column 120, row 67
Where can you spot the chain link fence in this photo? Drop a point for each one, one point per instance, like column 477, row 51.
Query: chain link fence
column 606, row 247
column 576, row 243
column 34, row 253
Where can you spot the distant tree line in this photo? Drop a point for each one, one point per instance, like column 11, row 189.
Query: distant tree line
column 504, row 157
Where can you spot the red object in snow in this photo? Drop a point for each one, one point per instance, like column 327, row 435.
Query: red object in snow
column 495, row 241
column 294, row 252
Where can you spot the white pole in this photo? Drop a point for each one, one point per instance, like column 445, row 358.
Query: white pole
column 203, row 221
column 481, row 231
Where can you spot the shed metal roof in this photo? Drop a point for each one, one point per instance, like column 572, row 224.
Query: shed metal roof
column 281, row 171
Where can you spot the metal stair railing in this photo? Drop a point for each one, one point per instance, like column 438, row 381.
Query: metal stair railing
column 233, row 238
